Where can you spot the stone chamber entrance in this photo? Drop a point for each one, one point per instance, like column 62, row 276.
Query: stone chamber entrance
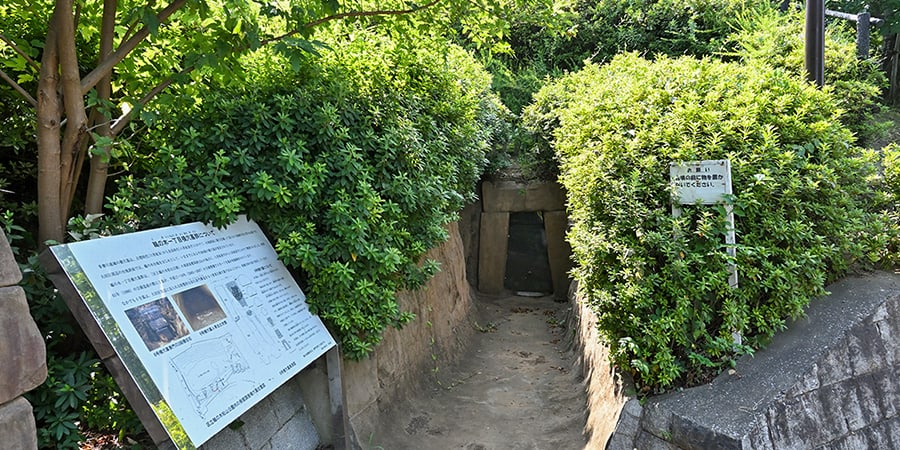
column 521, row 239
column 527, row 263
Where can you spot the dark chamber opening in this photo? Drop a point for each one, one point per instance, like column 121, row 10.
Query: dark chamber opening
column 527, row 264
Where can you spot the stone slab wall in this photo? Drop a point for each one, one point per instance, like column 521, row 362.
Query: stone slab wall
column 828, row 381
column 23, row 356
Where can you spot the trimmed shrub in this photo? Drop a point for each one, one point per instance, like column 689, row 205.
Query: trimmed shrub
column 353, row 165
column 658, row 283
column 596, row 31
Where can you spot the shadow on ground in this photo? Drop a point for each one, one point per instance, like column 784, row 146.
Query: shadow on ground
column 514, row 388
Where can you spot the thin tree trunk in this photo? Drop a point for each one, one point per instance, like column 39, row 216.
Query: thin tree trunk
column 73, row 102
column 893, row 61
column 50, row 217
column 100, row 162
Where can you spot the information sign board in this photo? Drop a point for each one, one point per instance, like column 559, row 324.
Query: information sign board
column 704, row 182
column 207, row 321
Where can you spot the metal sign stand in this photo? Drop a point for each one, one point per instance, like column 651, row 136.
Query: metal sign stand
column 707, row 183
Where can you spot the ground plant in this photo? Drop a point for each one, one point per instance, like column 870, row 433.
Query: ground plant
column 659, row 283
column 890, row 198
column 353, row 165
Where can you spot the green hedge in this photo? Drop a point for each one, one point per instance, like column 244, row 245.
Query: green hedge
column 659, row 284
column 353, row 165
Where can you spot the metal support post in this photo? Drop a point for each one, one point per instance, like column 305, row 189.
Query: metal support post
column 815, row 41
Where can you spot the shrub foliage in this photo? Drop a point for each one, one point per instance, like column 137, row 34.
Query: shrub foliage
column 658, row 283
column 767, row 36
column 352, row 165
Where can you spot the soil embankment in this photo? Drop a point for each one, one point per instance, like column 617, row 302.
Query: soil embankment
column 514, row 388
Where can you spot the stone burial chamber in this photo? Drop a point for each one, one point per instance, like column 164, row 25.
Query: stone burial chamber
column 520, row 222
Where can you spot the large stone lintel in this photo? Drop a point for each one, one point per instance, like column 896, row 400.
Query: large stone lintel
column 512, row 196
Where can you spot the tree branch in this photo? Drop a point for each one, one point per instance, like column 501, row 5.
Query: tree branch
column 96, row 186
column 18, row 88
column 21, row 53
column 104, row 68
column 120, row 123
column 383, row 12
column 73, row 103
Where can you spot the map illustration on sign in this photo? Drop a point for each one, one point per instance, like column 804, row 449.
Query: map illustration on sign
column 253, row 317
column 210, row 368
column 207, row 321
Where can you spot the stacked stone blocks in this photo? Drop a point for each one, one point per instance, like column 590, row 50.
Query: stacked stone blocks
column 24, row 357
column 498, row 200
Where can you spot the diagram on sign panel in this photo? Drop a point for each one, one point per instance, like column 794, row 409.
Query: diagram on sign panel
column 209, row 369
column 254, row 318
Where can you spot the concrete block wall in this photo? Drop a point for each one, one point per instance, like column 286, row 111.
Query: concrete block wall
column 23, row 356
column 281, row 421
column 828, row 381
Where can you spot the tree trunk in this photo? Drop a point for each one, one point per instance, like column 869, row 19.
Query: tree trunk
column 93, row 203
column 892, row 67
column 73, row 102
column 50, row 218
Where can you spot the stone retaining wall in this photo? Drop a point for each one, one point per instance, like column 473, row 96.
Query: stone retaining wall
column 23, row 356
column 607, row 390
column 828, row 381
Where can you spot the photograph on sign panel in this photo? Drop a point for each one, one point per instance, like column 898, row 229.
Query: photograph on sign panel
column 157, row 323
column 199, row 306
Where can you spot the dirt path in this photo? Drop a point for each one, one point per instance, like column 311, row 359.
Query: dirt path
column 515, row 388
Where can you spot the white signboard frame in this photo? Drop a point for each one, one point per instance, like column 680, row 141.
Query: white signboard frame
column 207, row 321
column 706, row 182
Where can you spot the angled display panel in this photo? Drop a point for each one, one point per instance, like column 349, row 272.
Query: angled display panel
column 207, row 321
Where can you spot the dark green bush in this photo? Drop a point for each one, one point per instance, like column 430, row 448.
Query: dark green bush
column 352, row 165
column 659, row 284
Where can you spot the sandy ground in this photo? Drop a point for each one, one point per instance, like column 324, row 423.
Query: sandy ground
column 515, row 388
